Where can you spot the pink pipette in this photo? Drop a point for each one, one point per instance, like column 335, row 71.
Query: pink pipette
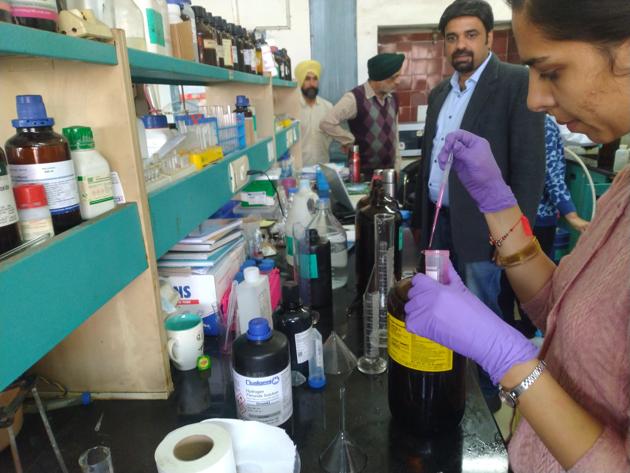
column 438, row 204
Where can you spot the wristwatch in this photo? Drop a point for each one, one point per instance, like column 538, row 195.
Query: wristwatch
column 510, row 397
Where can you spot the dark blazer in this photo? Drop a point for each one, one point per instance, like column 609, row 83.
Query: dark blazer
column 498, row 112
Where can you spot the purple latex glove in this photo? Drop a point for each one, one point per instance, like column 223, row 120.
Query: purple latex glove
column 451, row 315
column 477, row 170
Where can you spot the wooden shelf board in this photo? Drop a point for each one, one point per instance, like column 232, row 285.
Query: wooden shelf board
column 23, row 41
column 178, row 208
column 51, row 289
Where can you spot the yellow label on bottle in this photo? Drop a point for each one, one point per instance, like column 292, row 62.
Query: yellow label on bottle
column 415, row 352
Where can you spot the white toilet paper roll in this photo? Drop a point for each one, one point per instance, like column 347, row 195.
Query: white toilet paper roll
column 196, row 448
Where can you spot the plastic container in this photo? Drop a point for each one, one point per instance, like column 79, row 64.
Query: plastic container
column 163, row 8
column 38, row 155
column 261, row 370
column 153, row 24
column 316, row 375
column 253, row 298
column 32, row 205
column 94, row 176
column 303, row 201
column 329, row 227
column 174, row 12
column 40, row 14
column 296, row 323
column 128, row 17
column 426, row 385
column 157, row 132
column 9, row 228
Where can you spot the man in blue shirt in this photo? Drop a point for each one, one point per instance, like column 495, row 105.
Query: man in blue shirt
column 488, row 98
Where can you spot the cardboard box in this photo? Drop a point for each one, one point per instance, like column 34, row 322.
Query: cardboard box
column 182, row 41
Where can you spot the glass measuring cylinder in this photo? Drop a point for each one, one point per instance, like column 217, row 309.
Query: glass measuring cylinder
column 374, row 360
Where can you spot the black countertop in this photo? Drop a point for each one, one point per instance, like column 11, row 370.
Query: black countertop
column 133, row 429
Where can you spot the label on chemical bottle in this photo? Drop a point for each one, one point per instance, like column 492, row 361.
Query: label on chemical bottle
column 266, row 399
column 95, row 189
column 304, row 345
column 8, row 212
column 58, row 179
column 400, row 238
column 308, row 266
column 209, row 44
column 234, row 54
column 117, row 189
column 156, row 27
column 227, row 52
column 415, row 352
column 41, row 9
column 289, row 245
column 32, row 229
column 247, row 57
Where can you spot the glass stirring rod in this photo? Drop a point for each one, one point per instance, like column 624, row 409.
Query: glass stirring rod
column 438, row 204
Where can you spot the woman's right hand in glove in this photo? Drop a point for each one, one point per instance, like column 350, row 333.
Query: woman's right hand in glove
column 477, row 170
column 451, row 315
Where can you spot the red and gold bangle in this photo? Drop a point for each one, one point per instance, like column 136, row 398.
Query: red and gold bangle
column 526, row 228
column 525, row 254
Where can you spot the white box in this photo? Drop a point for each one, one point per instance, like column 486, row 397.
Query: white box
column 205, row 286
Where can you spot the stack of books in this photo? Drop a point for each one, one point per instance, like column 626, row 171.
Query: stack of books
column 206, row 246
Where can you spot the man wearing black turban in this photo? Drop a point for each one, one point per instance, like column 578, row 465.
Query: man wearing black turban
column 371, row 110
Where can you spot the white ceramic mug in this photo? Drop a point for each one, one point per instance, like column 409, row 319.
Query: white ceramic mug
column 185, row 340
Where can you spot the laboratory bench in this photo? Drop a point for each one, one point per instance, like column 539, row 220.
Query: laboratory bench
column 133, row 429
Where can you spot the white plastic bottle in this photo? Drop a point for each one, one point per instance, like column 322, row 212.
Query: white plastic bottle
column 168, row 51
column 253, row 298
column 622, row 156
column 93, row 173
column 188, row 14
column 300, row 212
column 128, row 17
column 154, row 33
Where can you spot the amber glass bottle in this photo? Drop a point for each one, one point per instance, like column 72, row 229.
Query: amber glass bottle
column 38, row 155
column 9, row 231
column 215, row 22
column 426, row 381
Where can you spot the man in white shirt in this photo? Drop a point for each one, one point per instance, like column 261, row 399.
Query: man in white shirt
column 315, row 143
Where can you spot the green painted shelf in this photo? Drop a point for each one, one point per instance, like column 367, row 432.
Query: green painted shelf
column 286, row 138
column 177, row 208
column 51, row 289
column 283, row 83
column 150, row 68
column 23, row 41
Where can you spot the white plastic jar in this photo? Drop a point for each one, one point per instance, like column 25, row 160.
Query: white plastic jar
column 33, row 211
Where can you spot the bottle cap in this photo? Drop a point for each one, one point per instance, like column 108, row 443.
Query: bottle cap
column 238, row 277
column 30, row 196
column 248, row 263
column 259, row 330
column 86, row 398
column 154, row 121
column 316, row 382
column 251, row 274
column 293, row 190
column 242, row 101
column 79, row 137
column 267, row 265
column 174, row 2
column 405, row 214
column 200, row 12
column 31, row 112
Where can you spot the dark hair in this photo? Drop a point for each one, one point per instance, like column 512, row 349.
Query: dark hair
column 479, row 8
column 603, row 23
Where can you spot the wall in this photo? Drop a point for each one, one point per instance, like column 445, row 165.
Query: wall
column 296, row 40
column 401, row 13
column 426, row 66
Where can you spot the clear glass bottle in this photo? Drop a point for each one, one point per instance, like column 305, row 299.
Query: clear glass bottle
column 128, row 17
column 328, row 226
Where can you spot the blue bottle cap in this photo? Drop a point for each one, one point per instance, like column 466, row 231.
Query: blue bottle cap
column 238, row 277
column 405, row 214
column 31, row 112
column 154, row 121
column 266, row 266
column 242, row 101
column 258, row 330
column 248, row 263
column 293, row 190
column 268, row 261
column 86, row 398
column 316, row 382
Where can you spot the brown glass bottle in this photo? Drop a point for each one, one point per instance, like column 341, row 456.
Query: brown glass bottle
column 206, row 37
column 259, row 61
column 426, row 381
column 249, row 52
column 240, row 48
column 9, row 230
column 40, row 14
column 364, row 227
column 38, row 155
column 215, row 22
column 226, row 40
